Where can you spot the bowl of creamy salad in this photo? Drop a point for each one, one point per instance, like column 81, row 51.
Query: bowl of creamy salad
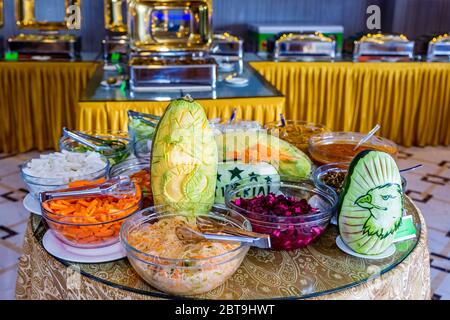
column 172, row 266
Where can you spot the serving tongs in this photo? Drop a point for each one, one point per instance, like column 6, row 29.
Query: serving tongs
column 146, row 118
column 99, row 145
column 230, row 234
column 116, row 187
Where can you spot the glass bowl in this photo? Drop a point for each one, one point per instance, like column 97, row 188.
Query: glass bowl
column 220, row 127
column 295, row 132
column 36, row 185
column 66, row 143
column 321, row 171
column 333, row 147
column 183, row 276
column 130, row 168
column 286, row 232
column 142, row 148
column 89, row 231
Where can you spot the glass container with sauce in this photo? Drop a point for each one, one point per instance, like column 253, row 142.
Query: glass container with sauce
column 295, row 132
column 338, row 146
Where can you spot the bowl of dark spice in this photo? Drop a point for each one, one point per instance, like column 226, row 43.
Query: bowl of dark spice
column 331, row 175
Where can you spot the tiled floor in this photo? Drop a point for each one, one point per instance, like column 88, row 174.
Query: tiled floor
column 429, row 187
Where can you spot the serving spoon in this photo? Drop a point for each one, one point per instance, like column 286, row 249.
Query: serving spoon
column 367, row 137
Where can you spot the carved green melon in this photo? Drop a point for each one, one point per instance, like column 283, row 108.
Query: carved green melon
column 371, row 203
column 184, row 158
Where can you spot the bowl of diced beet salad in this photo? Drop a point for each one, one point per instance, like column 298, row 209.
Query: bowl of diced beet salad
column 293, row 213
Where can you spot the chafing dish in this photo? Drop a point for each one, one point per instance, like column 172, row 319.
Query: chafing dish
column 170, row 25
column 227, row 47
column 303, row 46
column 439, row 48
column 117, row 40
column 162, row 73
column 383, row 47
column 169, row 44
column 54, row 46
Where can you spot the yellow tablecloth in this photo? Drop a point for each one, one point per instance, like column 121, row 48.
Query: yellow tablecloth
column 36, row 100
column 102, row 116
column 411, row 101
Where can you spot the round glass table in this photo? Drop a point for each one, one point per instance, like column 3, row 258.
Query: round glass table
column 320, row 271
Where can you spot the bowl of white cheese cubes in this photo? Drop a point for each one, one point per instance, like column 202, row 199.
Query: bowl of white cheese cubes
column 56, row 170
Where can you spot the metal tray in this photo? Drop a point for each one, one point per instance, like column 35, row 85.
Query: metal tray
column 66, row 47
column 149, row 74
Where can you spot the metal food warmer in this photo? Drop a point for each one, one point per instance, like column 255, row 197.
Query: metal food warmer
column 383, row 47
column 50, row 42
column 439, row 48
column 228, row 51
column 228, row 47
column 116, row 43
column 170, row 42
column 45, row 46
column 308, row 46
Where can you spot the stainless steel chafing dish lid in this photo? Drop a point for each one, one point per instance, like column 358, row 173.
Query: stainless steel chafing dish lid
column 380, row 44
column 439, row 46
column 225, row 44
column 169, row 25
column 304, row 44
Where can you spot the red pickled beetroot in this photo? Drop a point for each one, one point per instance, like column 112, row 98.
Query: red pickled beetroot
column 279, row 205
column 285, row 235
column 290, row 238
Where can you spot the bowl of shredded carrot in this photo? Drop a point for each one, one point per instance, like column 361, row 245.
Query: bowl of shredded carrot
column 90, row 222
column 173, row 266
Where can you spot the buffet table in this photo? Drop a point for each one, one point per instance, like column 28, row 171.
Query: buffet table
column 105, row 109
column 37, row 99
column 320, row 271
column 409, row 100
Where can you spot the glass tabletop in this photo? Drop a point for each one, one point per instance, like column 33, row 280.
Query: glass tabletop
column 257, row 87
column 321, row 268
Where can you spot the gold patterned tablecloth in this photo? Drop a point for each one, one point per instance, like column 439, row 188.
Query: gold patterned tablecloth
column 36, row 100
column 409, row 100
column 320, row 271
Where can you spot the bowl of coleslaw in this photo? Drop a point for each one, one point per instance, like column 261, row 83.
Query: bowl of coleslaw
column 175, row 267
